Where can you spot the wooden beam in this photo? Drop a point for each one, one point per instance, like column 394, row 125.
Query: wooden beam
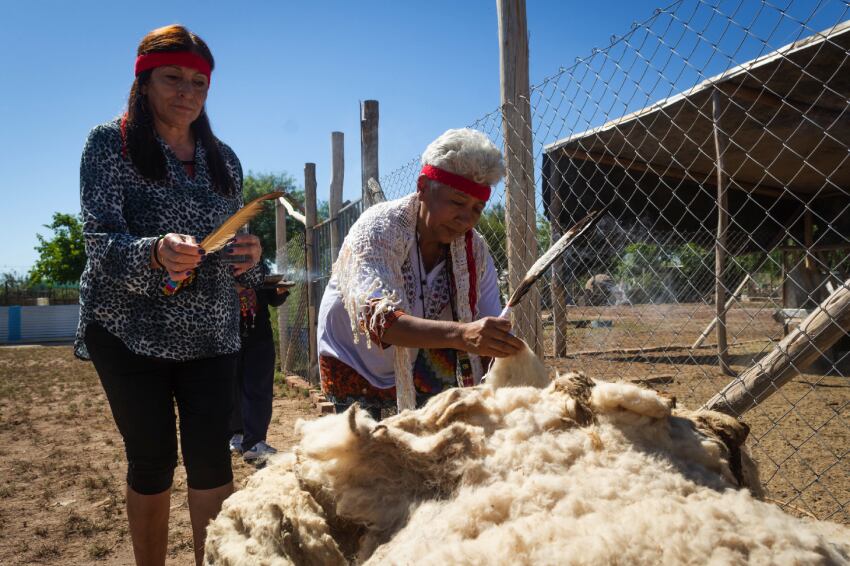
column 816, row 248
column 721, row 240
column 639, row 350
column 761, row 96
column 699, row 177
column 726, row 308
column 368, row 147
column 337, row 176
column 521, row 213
column 281, row 263
column 815, row 335
column 310, row 253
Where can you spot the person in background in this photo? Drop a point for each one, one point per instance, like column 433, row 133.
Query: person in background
column 158, row 318
column 413, row 301
column 252, row 411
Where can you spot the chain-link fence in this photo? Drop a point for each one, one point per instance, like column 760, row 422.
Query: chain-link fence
column 22, row 294
column 719, row 132
column 295, row 349
column 296, row 361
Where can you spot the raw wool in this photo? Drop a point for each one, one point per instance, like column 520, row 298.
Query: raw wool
column 521, row 369
column 561, row 475
column 277, row 530
column 368, row 272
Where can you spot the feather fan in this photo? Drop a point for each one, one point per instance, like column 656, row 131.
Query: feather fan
column 542, row 264
column 219, row 237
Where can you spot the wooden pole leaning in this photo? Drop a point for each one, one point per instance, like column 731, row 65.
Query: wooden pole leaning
column 731, row 301
column 815, row 335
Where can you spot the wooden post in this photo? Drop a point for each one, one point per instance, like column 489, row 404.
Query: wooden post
column 784, row 279
column 310, row 253
column 337, row 175
column 368, row 147
column 376, row 193
column 557, row 287
column 808, row 238
column 726, row 307
column 720, row 244
column 281, row 261
column 521, row 213
column 815, row 335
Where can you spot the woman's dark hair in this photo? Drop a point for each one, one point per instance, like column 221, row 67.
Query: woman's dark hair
column 142, row 146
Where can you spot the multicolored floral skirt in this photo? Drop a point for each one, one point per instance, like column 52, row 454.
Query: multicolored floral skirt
column 433, row 372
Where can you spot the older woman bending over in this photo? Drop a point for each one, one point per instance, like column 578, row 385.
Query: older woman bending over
column 411, row 305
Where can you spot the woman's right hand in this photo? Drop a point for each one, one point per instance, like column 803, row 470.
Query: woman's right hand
column 490, row 336
column 179, row 254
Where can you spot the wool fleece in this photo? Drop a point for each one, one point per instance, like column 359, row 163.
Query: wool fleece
column 578, row 472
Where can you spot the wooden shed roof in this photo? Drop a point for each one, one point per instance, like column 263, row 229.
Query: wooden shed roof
column 785, row 116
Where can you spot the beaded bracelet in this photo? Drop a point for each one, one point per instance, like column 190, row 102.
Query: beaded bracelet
column 156, row 252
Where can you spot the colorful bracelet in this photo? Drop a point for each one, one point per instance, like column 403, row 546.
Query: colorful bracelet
column 170, row 287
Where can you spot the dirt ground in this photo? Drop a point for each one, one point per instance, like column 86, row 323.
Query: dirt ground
column 800, row 436
column 62, row 464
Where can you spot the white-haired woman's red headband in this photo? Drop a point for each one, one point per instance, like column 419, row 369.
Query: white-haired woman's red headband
column 464, row 185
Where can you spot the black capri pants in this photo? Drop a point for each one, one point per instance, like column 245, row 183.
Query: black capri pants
column 142, row 392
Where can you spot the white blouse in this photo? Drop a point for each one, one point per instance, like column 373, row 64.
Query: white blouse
column 374, row 363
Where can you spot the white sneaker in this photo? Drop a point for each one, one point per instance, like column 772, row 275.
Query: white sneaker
column 258, row 453
column 236, row 443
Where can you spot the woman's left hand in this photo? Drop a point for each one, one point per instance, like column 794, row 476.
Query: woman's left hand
column 247, row 245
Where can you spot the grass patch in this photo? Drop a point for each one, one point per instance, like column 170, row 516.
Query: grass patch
column 98, row 551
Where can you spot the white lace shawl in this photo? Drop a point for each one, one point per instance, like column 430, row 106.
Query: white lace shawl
column 369, row 267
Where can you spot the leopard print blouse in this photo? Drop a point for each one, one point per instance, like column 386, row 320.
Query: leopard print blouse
column 123, row 213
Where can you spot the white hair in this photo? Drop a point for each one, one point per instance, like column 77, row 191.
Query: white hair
column 467, row 153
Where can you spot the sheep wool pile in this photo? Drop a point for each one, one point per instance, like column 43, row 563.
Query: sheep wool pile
column 578, row 472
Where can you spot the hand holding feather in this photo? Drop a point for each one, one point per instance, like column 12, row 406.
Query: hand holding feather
column 178, row 254
column 219, row 237
column 245, row 245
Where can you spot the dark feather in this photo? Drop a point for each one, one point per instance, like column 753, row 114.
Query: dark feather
column 554, row 252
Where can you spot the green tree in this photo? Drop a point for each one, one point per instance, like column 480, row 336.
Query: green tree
column 491, row 225
column 62, row 257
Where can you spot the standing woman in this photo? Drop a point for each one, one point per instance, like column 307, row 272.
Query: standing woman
column 160, row 320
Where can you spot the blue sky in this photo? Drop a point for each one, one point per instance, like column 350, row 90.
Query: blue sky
column 287, row 75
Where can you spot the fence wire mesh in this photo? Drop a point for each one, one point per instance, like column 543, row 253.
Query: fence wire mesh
column 295, row 349
column 706, row 110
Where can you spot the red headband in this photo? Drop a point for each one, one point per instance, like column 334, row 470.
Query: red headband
column 180, row 58
column 464, row 185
